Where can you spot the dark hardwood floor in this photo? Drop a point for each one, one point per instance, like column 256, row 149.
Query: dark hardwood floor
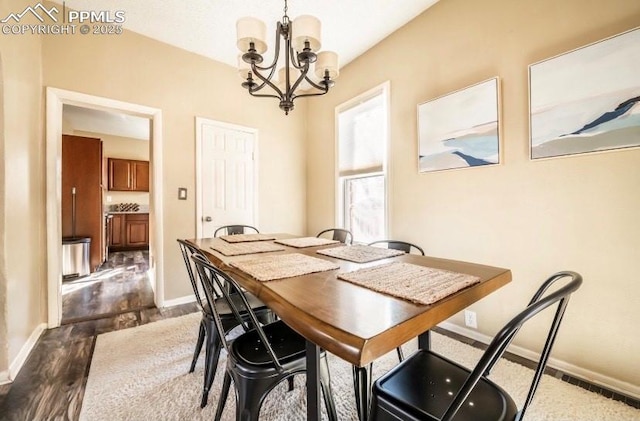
column 120, row 285
column 50, row 385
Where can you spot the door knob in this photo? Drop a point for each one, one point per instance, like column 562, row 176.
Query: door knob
column 207, row 219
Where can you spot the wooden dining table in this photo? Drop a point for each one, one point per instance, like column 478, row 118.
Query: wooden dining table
column 350, row 321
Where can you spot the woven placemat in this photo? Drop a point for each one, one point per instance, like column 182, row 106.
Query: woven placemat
column 245, row 248
column 360, row 253
column 243, row 238
column 268, row 268
column 413, row 283
column 306, row 242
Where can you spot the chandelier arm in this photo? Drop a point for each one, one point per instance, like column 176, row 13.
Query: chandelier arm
column 265, row 80
column 302, row 77
column 276, row 54
column 294, row 59
column 313, row 94
column 273, row 69
column 263, row 95
column 319, row 87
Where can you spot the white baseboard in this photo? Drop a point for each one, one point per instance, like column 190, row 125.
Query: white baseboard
column 4, row 377
column 607, row 382
column 22, row 356
column 178, row 301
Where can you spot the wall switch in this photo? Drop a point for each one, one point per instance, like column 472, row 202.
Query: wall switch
column 108, row 199
column 182, row 193
column 470, row 319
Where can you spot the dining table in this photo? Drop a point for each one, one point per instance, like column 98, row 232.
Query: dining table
column 348, row 318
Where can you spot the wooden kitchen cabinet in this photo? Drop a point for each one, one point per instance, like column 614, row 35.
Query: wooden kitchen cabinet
column 129, row 231
column 128, row 175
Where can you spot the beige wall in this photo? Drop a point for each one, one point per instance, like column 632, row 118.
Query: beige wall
column 578, row 213
column 22, row 254
column 133, row 68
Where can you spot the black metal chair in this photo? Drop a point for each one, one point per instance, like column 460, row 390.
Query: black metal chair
column 399, row 245
column 338, row 234
column 261, row 357
column 208, row 328
column 428, row 386
column 235, row 229
column 362, row 375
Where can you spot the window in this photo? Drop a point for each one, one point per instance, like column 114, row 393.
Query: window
column 362, row 154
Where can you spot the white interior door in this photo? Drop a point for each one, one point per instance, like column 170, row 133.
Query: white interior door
column 226, row 174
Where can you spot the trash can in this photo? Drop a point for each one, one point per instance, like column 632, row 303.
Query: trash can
column 75, row 257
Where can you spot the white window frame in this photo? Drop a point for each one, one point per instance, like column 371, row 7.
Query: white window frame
column 384, row 90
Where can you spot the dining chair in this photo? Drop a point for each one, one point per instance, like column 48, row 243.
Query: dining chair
column 261, row 357
column 208, row 329
column 235, row 229
column 362, row 375
column 338, row 234
column 428, row 386
column 399, row 245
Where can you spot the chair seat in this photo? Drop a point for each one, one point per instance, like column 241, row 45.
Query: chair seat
column 424, row 385
column 287, row 344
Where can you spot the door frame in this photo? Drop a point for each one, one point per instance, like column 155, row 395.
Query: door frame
column 55, row 99
column 228, row 126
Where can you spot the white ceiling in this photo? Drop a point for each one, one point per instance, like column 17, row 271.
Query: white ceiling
column 105, row 122
column 207, row 27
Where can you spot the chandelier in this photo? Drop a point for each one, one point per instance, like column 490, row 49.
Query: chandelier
column 301, row 49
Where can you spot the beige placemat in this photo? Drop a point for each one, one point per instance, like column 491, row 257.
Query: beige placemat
column 246, row 248
column 243, row 238
column 360, row 253
column 306, row 242
column 268, row 268
column 413, row 283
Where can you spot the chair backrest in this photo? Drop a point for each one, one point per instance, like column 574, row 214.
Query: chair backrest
column 213, row 280
column 234, row 230
column 188, row 250
column 338, row 234
column 497, row 347
column 399, row 245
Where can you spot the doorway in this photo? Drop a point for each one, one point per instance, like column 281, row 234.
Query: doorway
column 55, row 100
column 116, row 281
column 226, row 174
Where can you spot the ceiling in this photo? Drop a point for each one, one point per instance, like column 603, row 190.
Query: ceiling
column 207, row 27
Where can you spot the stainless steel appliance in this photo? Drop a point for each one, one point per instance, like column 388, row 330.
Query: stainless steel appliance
column 75, row 250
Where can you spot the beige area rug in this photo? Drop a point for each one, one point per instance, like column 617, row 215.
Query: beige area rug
column 418, row 284
column 141, row 374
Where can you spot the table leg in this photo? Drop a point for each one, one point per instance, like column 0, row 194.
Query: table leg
column 424, row 340
column 362, row 387
column 313, row 382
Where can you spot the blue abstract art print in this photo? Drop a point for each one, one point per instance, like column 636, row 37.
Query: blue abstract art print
column 587, row 100
column 460, row 129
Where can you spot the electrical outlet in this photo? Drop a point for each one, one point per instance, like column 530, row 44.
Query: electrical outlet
column 470, row 319
column 108, row 199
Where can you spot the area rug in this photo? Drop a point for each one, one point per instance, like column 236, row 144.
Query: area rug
column 141, row 374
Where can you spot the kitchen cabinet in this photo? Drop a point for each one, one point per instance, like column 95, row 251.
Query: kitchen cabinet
column 129, row 231
column 128, row 175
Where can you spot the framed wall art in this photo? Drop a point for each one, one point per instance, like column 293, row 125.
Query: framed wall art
column 460, row 129
column 586, row 100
